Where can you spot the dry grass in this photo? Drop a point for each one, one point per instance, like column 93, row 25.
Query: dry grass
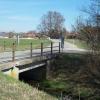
column 11, row 89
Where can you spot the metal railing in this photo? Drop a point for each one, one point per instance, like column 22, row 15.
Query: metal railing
column 31, row 53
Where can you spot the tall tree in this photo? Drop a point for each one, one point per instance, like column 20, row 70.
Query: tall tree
column 89, row 30
column 51, row 24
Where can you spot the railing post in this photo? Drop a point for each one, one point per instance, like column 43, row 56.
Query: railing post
column 4, row 46
column 13, row 52
column 41, row 49
column 31, row 50
column 59, row 47
column 51, row 48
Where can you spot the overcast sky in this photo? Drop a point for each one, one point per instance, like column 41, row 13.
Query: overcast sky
column 25, row 15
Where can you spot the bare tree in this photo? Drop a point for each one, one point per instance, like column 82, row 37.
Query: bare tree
column 51, row 24
column 10, row 34
column 89, row 30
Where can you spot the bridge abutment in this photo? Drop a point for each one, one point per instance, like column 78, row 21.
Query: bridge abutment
column 36, row 74
column 48, row 68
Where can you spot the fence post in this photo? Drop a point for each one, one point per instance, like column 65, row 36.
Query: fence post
column 59, row 47
column 51, row 48
column 4, row 46
column 31, row 50
column 41, row 49
column 13, row 52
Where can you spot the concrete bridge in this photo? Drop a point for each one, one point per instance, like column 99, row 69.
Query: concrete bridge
column 30, row 64
column 33, row 64
column 35, row 70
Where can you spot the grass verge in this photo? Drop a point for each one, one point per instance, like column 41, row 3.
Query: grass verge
column 11, row 89
column 79, row 43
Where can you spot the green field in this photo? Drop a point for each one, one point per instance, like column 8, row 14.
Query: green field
column 79, row 43
column 24, row 44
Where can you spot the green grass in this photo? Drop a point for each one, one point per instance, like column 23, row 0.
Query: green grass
column 54, row 84
column 11, row 89
column 85, row 92
column 68, row 87
column 79, row 43
column 23, row 44
column 72, row 76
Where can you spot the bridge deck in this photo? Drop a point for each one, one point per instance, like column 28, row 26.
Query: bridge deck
column 26, row 61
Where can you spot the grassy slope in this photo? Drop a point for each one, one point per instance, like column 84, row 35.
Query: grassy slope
column 11, row 89
column 24, row 43
column 71, row 74
column 78, row 43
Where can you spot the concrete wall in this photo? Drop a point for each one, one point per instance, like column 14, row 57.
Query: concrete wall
column 49, row 68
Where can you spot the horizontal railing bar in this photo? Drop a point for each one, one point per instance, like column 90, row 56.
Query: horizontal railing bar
column 55, row 46
column 15, row 54
column 46, row 47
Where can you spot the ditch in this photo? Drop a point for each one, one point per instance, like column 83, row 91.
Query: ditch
column 70, row 79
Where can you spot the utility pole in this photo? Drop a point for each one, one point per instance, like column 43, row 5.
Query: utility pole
column 17, row 38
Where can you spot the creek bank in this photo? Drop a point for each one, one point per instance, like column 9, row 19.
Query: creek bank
column 70, row 77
